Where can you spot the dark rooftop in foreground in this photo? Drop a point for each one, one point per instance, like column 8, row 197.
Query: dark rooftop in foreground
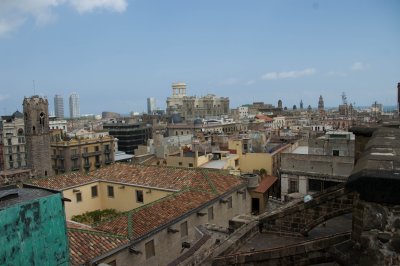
column 12, row 195
column 376, row 176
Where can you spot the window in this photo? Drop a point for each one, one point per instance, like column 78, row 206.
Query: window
column 335, row 152
column 110, row 191
column 190, row 165
column 94, row 191
column 180, row 163
column 184, row 229
column 74, row 151
column 210, row 214
column 9, row 141
column 96, row 148
column 139, row 196
column 78, row 197
column 293, row 186
column 149, row 248
column 230, row 202
column 85, row 150
column 244, row 195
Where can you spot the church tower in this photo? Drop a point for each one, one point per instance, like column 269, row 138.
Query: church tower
column 320, row 103
column 37, row 135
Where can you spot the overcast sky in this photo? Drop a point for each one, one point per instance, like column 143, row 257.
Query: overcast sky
column 116, row 53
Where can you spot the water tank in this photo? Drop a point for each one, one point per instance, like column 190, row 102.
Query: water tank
column 252, row 180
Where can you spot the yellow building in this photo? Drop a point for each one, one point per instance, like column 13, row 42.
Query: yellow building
column 163, row 209
column 249, row 162
column 80, row 153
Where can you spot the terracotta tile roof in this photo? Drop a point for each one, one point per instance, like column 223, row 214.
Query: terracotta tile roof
column 139, row 222
column 194, row 187
column 265, row 184
column 61, row 182
column 264, row 117
column 85, row 245
column 145, row 175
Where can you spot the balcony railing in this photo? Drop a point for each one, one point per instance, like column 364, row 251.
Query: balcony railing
column 87, row 165
column 94, row 153
column 75, row 156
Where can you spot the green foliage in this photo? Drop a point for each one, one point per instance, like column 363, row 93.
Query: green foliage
column 263, row 171
column 95, row 216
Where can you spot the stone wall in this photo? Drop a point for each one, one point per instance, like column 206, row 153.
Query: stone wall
column 376, row 230
column 302, row 217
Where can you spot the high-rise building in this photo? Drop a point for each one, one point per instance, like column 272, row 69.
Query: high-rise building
column 37, row 135
column 301, row 104
column 320, row 103
column 151, row 105
column 280, row 104
column 74, row 111
column 59, row 106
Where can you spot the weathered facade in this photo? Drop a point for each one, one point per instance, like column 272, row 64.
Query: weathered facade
column 32, row 227
column 37, row 134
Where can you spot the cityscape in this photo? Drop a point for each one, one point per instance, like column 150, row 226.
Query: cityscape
column 229, row 133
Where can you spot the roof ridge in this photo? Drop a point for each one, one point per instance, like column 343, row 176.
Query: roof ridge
column 211, row 184
column 97, row 233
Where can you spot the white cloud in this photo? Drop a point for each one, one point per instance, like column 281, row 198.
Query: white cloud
column 13, row 13
column 250, row 82
column 357, row 66
column 89, row 5
column 289, row 74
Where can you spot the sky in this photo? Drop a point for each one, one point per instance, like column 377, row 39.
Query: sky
column 116, row 53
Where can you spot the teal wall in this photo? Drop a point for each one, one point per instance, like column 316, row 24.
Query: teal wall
column 34, row 233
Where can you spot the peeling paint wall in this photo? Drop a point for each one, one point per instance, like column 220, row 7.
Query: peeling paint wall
column 34, row 233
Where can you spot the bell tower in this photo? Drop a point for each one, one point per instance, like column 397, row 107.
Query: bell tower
column 37, row 134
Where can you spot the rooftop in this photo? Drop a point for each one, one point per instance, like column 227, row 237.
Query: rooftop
column 12, row 195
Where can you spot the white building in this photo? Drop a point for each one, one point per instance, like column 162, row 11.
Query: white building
column 59, row 106
column 74, row 111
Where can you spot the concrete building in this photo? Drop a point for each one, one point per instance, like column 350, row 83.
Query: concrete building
column 191, row 107
column 129, row 134
column 13, row 140
column 74, row 109
column 317, row 164
column 37, row 135
column 59, row 106
column 84, row 152
column 55, row 123
column 203, row 126
column 151, row 105
column 32, row 227
column 166, row 211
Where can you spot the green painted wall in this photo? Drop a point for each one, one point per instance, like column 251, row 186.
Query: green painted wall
column 34, row 233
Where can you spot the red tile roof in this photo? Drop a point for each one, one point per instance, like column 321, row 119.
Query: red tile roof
column 265, row 118
column 265, row 184
column 195, row 187
column 152, row 216
column 85, row 245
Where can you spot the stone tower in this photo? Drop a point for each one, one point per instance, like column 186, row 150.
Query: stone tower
column 320, row 103
column 37, row 135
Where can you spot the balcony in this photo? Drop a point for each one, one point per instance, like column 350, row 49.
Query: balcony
column 59, row 157
column 87, row 165
column 94, row 153
column 75, row 156
column 75, row 168
column 98, row 164
column 108, row 161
